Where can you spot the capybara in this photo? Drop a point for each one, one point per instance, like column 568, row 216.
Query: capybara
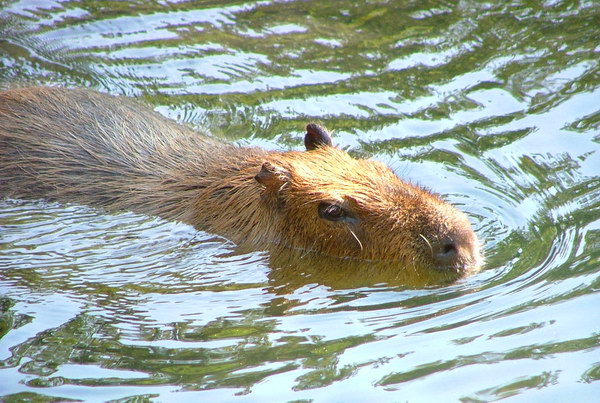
column 78, row 145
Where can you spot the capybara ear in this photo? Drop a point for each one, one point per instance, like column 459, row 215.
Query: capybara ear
column 316, row 136
column 272, row 177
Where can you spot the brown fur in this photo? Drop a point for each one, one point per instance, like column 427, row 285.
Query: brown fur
column 109, row 152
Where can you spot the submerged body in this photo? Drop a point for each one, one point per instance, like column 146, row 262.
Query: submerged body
column 111, row 152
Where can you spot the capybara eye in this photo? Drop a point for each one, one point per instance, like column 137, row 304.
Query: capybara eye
column 332, row 212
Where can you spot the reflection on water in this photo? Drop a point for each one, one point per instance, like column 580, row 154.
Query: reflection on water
column 493, row 105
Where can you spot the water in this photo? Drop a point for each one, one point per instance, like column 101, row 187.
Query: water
column 493, row 105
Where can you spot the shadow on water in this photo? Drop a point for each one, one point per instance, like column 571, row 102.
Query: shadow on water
column 291, row 270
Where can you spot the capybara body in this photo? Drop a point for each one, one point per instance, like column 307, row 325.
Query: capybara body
column 111, row 152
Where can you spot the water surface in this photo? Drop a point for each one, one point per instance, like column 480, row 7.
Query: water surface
column 493, row 105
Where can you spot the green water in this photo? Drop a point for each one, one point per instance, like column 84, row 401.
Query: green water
column 495, row 105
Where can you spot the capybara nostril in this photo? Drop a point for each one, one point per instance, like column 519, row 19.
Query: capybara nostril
column 448, row 249
column 445, row 253
column 458, row 248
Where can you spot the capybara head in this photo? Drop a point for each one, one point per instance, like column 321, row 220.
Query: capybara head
column 359, row 209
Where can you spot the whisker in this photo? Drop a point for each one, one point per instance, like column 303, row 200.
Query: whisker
column 357, row 240
column 427, row 241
